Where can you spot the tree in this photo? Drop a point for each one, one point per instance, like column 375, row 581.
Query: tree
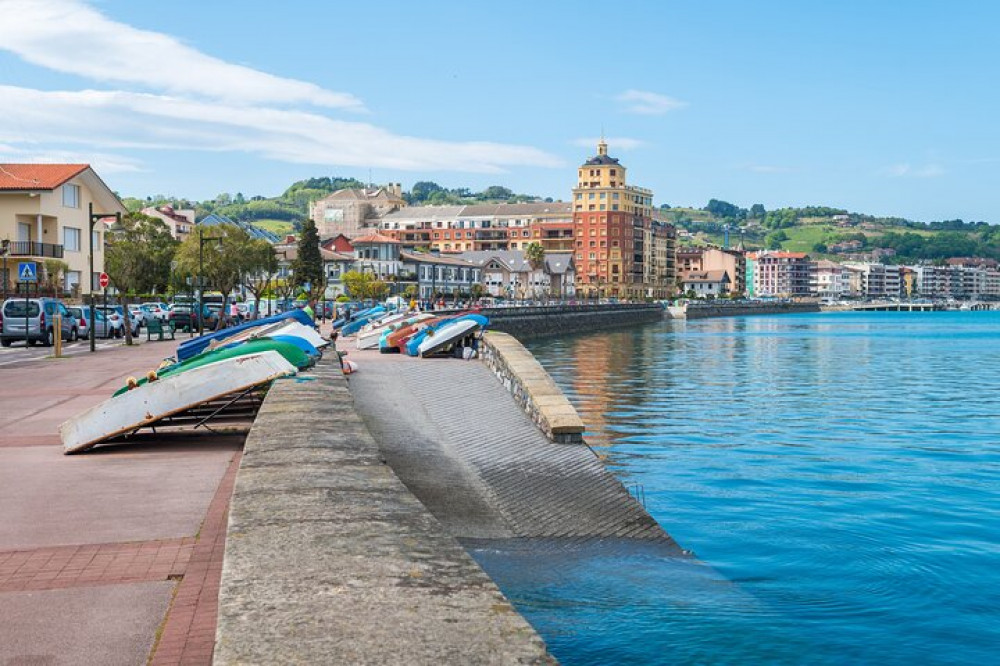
column 724, row 209
column 55, row 272
column 138, row 258
column 357, row 283
column 774, row 240
column 820, row 248
column 535, row 254
column 757, row 210
column 262, row 264
column 307, row 267
column 497, row 192
column 224, row 263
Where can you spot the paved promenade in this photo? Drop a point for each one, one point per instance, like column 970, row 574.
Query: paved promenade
column 107, row 556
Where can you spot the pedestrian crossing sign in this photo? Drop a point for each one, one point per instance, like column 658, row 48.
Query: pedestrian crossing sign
column 26, row 272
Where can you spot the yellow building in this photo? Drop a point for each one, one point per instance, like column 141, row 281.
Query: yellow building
column 612, row 224
column 44, row 214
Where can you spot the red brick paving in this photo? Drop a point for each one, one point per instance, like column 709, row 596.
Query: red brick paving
column 93, row 564
column 188, row 635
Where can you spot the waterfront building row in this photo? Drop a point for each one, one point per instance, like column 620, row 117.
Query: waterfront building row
column 796, row 275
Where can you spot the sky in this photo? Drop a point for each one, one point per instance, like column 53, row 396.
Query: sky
column 885, row 107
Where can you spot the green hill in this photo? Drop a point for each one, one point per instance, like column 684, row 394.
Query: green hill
column 816, row 229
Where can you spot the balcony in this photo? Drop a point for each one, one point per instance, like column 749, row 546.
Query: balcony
column 34, row 249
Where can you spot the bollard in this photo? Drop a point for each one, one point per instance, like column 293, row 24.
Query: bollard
column 57, row 333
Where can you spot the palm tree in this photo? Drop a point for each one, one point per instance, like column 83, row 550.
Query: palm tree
column 535, row 254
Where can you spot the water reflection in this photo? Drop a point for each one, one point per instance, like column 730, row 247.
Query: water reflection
column 844, row 469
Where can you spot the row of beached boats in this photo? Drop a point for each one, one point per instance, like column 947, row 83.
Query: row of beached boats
column 207, row 375
column 415, row 333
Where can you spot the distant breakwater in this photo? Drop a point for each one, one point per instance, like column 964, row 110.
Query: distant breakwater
column 723, row 309
column 543, row 321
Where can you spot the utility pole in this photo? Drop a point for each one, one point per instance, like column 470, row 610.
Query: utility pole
column 201, row 280
column 93, row 219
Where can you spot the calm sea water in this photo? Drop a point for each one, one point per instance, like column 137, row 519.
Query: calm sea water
column 836, row 475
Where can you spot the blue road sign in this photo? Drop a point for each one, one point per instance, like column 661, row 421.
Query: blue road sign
column 26, row 272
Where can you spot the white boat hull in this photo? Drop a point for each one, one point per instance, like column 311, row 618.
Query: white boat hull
column 370, row 339
column 446, row 335
column 150, row 402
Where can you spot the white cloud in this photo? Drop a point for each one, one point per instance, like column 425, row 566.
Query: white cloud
column 614, row 143
column 181, row 99
column 648, row 103
column 906, row 170
column 127, row 120
column 70, row 36
column 103, row 163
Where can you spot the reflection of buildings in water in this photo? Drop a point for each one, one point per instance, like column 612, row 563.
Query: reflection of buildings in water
column 602, row 363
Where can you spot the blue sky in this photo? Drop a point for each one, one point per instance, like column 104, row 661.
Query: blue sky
column 883, row 107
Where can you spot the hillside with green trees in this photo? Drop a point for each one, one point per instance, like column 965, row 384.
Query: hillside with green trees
column 286, row 213
column 822, row 231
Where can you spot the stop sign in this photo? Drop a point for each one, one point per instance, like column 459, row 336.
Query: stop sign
column 104, row 280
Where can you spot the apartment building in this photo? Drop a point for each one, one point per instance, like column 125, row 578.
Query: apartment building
column 782, row 274
column 610, row 218
column 45, row 214
column 180, row 221
column 351, row 211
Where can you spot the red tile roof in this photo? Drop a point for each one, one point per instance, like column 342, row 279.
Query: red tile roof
column 15, row 177
column 374, row 238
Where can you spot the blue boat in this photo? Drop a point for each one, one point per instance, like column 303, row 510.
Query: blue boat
column 357, row 324
column 413, row 344
column 194, row 346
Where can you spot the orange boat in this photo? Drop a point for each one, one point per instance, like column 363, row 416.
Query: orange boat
column 396, row 340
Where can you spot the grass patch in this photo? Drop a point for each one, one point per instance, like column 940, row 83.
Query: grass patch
column 280, row 227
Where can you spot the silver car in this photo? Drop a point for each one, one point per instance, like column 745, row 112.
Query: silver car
column 33, row 319
column 102, row 327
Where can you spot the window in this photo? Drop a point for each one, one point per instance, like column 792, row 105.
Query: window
column 72, row 280
column 590, row 195
column 71, row 196
column 593, row 231
column 525, row 233
column 614, row 195
column 593, row 255
column 604, row 195
column 614, row 172
column 579, row 196
column 614, row 206
column 71, row 239
column 593, row 243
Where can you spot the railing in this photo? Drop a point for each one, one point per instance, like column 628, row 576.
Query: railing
column 35, row 249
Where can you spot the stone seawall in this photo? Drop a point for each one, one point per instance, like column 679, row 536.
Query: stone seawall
column 536, row 322
column 704, row 310
column 532, row 387
column 331, row 560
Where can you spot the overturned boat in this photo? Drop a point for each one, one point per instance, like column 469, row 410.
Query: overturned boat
column 159, row 399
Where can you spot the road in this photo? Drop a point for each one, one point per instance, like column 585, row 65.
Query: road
column 18, row 354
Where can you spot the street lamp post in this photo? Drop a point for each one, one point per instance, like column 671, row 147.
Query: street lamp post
column 93, row 219
column 202, row 239
column 4, row 250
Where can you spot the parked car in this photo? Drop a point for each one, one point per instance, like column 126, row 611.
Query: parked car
column 114, row 320
column 183, row 316
column 155, row 310
column 39, row 315
column 102, row 326
column 138, row 313
column 134, row 320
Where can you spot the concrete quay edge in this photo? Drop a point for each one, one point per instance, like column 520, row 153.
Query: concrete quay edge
column 532, row 387
column 330, row 559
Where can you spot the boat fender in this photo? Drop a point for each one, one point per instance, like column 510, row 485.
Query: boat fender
column 131, row 383
column 151, row 376
column 350, row 367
